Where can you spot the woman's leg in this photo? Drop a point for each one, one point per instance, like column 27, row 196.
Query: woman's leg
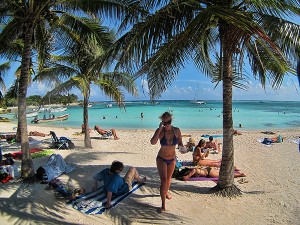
column 113, row 131
column 170, row 170
column 164, row 172
column 208, row 162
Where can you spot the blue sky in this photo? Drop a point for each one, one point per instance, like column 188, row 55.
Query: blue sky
column 190, row 83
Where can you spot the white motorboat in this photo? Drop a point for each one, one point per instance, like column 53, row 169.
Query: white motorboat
column 59, row 109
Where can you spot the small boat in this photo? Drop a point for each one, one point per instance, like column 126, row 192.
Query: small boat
column 4, row 111
column 198, row 102
column 109, row 105
column 4, row 119
column 47, row 120
column 59, row 109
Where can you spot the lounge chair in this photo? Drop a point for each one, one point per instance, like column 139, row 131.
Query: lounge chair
column 59, row 143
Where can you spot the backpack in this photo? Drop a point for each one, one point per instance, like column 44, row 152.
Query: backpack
column 71, row 145
column 176, row 169
column 41, row 174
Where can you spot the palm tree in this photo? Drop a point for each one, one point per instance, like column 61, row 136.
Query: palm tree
column 29, row 20
column 218, row 36
column 80, row 66
column 4, row 67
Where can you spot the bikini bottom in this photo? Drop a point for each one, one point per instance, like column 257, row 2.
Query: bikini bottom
column 167, row 161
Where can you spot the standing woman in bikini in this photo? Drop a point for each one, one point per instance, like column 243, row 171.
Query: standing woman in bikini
column 169, row 137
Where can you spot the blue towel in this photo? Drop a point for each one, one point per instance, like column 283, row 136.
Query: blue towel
column 214, row 135
column 94, row 202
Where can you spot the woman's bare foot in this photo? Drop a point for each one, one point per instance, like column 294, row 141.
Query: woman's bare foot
column 168, row 196
column 116, row 138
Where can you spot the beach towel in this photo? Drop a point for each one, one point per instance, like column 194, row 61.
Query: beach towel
column 213, row 135
column 264, row 142
column 94, row 202
column 294, row 140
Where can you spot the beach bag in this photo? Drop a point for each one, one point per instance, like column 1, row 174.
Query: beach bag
column 279, row 139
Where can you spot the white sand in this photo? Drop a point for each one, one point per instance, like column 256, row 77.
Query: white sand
column 271, row 195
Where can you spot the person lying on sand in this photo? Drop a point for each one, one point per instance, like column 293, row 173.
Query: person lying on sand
column 114, row 183
column 208, row 172
column 36, row 133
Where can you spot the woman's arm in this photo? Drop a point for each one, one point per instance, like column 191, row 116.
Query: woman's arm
column 179, row 137
column 156, row 135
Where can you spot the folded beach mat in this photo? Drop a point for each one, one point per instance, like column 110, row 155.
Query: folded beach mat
column 94, row 202
column 18, row 155
column 214, row 135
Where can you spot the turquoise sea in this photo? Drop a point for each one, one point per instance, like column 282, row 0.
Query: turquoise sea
column 187, row 114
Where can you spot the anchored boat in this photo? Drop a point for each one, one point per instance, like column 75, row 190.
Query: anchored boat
column 47, row 120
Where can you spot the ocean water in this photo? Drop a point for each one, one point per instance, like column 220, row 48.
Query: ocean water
column 187, row 115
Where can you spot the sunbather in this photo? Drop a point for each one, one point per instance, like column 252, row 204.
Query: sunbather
column 211, row 144
column 36, row 133
column 106, row 132
column 208, row 172
column 199, row 155
column 83, row 129
column 114, row 184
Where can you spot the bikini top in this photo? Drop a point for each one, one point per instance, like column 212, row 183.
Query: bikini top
column 164, row 141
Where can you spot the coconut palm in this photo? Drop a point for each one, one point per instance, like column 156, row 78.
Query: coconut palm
column 219, row 37
column 4, row 67
column 29, row 21
column 79, row 66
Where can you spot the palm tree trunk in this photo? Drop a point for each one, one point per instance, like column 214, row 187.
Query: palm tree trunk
column 225, row 186
column 27, row 169
column 87, row 137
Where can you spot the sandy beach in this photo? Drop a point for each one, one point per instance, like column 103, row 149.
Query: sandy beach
column 270, row 196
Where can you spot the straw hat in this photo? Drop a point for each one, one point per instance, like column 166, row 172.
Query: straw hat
column 192, row 140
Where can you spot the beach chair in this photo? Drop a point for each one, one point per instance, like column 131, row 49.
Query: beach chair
column 107, row 135
column 59, row 143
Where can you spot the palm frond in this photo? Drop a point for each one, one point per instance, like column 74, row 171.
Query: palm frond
column 64, row 87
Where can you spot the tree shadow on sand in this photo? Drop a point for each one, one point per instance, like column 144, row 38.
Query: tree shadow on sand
column 32, row 203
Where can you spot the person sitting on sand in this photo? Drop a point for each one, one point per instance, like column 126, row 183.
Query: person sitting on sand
column 208, row 172
column 114, row 184
column 83, row 129
column 36, row 133
column 199, row 155
column 236, row 132
column 106, row 132
column 211, row 144
column 191, row 144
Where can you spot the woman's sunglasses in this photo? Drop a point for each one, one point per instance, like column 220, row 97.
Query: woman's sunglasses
column 168, row 122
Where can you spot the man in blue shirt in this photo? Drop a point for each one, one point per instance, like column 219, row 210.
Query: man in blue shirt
column 114, row 184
